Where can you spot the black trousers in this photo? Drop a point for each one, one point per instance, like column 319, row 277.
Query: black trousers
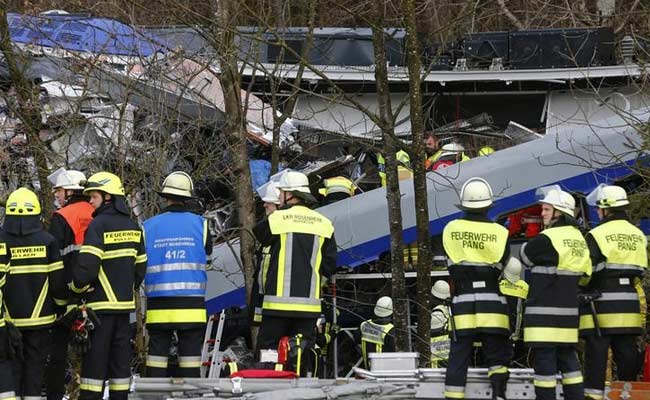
column 624, row 349
column 190, row 343
column 496, row 352
column 274, row 328
column 29, row 374
column 6, row 370
column 109, row 358
column 57, row 367
column 547, row 361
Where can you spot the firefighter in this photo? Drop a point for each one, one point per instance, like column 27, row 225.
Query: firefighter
column 34, row 285
column 440, row 342
column 432, row 148
column 6, row 370
column 302, row 249
column 404, row 170
column 477, row 249
column 619, row 259
column 112, row 264
column 336, row 188
column 558, row 258
column 178, row 246
column 377, row 334
column 68, row 226
column 515, row 290
column 450, row 154
column 271, row 200
column 485, row 151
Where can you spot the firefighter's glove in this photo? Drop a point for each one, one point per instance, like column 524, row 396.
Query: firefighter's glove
column 15, row 342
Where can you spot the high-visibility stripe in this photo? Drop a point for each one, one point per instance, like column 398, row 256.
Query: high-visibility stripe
column 38, row 307
column 566, row 311
column 92, row 385
column 572, row 378
column 175, row 286
column 282, row 255
column 455, row 392
column 613, row 320
column 107, row 305
column 69, row 249
column 55, row 266
column 88, row 249
column 8, row 395
column 111, row 254
column 551, row 335
column 75, row 289
column 119, row 384
column 497, row 369
column 618, row 296
column 176, row 316
column 152, row 269
column 472, row 297
column 315, row 279
column 189, row 362
column 156, row 361
column 60, row 302
column 545, row 381
column 267, row 305
column 106, row 285
column 29, row 269
column 481, row 320
column 594, row 394
column 140, row 258
column 205, row 232
column 27, row 322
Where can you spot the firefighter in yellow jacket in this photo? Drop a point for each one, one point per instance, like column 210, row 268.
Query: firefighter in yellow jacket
column 34, row 284
column 558, row 259
column 112, row 264
column 302, row 250
column 619, row 259
column 6, row 370
column 477, row 249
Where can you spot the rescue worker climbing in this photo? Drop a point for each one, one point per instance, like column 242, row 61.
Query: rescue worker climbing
column 178, row 245
column 477, row 249
column 68, row 226
column 377, row 334
column 271, row 200
column 112, row 264
column 558, row 258
column 303, row 249
column 336, row 188
column 34, row 285
column 440, row 343
column 6, row 369
column 619, row 259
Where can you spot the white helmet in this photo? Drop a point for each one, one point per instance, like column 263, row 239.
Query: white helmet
column 560, row 200
column 272, row 194
column 177, row 184
column 512, row 270
column 451, row 149
column 384, row 307
column 609, row 196
column 294, row 181
column 440, row 290
column 476, row 194
column 438, row 320
column 70, row 180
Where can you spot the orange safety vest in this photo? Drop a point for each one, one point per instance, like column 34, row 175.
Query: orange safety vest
column 78, row 215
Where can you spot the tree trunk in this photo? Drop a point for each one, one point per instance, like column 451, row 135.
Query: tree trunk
column 236, row 133
column 393, row 195
column 418, row 156
column 29, row 112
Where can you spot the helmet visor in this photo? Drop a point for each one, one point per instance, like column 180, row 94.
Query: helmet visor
column 541, row 193
column 593, row 197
